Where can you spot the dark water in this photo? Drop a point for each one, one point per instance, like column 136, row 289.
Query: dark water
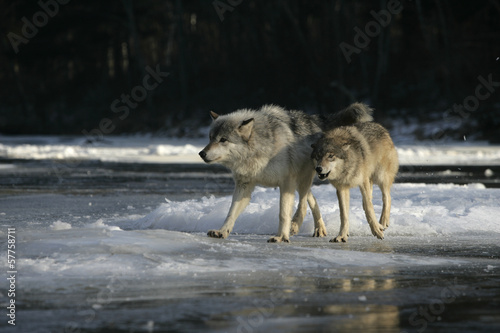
column 186, row 179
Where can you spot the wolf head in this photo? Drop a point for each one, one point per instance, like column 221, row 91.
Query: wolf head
column 228, row 135
column 329, row 157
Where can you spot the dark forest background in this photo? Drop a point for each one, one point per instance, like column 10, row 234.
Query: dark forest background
column 229, row 54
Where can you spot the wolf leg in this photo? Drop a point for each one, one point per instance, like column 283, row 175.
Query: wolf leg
column 306, row 197
column 386, row 208
column 375, row 226
column 303, row 188
column 241, row 198
column 287, row 198
column 298, row 217
column 370, row 199
column 319, row 224
column 343, row 196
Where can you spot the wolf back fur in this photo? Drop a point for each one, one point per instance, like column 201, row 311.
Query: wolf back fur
column 271, row 147
column 359, row 155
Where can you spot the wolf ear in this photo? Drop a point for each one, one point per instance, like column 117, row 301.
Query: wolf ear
column 214, row 115
column 246, row 128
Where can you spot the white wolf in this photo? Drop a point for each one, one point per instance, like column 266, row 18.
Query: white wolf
column 272, row 147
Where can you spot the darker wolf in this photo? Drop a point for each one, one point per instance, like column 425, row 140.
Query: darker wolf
column 271, row 147
column 358, row 155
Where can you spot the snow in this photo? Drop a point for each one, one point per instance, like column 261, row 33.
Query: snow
column 149, row 149
column 489, row 173
column 449, row 154
column 58, row 225
column 417, row 210
column 113, row 149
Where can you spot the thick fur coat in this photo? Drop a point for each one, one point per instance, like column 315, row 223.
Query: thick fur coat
column 271, row 147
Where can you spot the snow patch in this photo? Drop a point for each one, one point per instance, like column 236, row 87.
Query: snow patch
column 417, row 210
column 99, row 224
column 58, row 225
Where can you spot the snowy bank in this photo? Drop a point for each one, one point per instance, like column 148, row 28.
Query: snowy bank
column 417, row 210
column 126, row 149
column 149, row 149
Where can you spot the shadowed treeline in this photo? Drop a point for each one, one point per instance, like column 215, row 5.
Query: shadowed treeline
column 72, row 67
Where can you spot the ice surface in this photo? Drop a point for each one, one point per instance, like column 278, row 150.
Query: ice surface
column 108, row 257
column 130, row 273
column 172, row 241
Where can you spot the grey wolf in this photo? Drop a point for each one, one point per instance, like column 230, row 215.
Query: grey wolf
column 271, row 147
column 358, row 155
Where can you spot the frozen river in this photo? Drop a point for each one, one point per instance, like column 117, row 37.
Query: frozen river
column 121, row 247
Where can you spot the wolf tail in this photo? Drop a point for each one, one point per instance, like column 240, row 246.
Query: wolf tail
column 354, row 113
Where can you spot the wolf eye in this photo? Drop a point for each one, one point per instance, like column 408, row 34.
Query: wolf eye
column 331, row 156
column 222, row 140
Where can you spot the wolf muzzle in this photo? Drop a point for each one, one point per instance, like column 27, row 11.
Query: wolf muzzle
column 321, row 175
column 203, row 155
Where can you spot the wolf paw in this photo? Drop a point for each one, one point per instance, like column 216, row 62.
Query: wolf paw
column 378, row 232
column 294, row 229
column 217, row 234
column 339, row 239
column 319, row 232
column 278, row 239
